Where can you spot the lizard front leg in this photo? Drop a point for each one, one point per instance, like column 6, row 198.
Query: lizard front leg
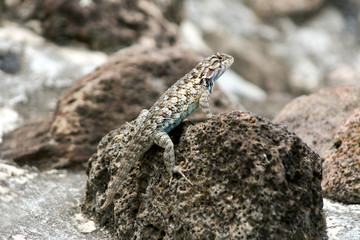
column 143, row 114
column 204, row 103
column 162, row 139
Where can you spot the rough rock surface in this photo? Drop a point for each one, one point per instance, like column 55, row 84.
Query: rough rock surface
column 104, row 25
column 342, row 163
column 116, row 92
column 43, row 205
column 315, row 117
column 252, row 179
column 328, row 122
column 342, row 220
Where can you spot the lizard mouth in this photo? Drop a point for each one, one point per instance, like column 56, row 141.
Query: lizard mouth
column 219, row 73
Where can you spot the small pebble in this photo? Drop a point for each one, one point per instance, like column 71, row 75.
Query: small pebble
column 10, row 62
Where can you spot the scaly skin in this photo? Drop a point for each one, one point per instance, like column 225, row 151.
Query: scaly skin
column 153, row 125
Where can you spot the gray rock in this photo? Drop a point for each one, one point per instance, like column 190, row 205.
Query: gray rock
column 313, row 49
column 10, row 62
column 289, row 53
column 252, row 180
column 9, row 120
column 237, row 87
column 43, row 205
column 341, row 74
column 305, row 76
column 342, row 220
column 46, row 71
column 243, row 36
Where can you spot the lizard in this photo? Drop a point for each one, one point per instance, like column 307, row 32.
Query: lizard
column 152, row 126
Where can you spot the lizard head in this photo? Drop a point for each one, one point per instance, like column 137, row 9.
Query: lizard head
column 212, row 67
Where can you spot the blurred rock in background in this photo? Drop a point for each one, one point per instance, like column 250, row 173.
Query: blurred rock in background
column 281, row 46
column 100, row 25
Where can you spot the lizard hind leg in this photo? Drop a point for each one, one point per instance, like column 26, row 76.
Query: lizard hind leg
column 162, row 139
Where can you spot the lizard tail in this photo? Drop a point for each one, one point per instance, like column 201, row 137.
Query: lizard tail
column 109, row 198
column 133, row 155
column 110, row 193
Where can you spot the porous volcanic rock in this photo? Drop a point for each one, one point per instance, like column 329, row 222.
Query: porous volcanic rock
column 315, row 117
column 103, row 100
column 342, row 163
column 322, row 121
column 106, row 25
column 252, row 179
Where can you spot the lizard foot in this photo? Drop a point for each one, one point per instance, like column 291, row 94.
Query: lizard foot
column 177, row 169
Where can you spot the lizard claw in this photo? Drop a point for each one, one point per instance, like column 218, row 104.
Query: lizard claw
column 177, row 169
column 129, row 124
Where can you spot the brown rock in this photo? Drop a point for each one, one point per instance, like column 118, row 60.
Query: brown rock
column 106, row 25
column 252, row 179
column 328, row 122
column 116, row 92
column 342, row 163
column 314, row 118
column 283, row 7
